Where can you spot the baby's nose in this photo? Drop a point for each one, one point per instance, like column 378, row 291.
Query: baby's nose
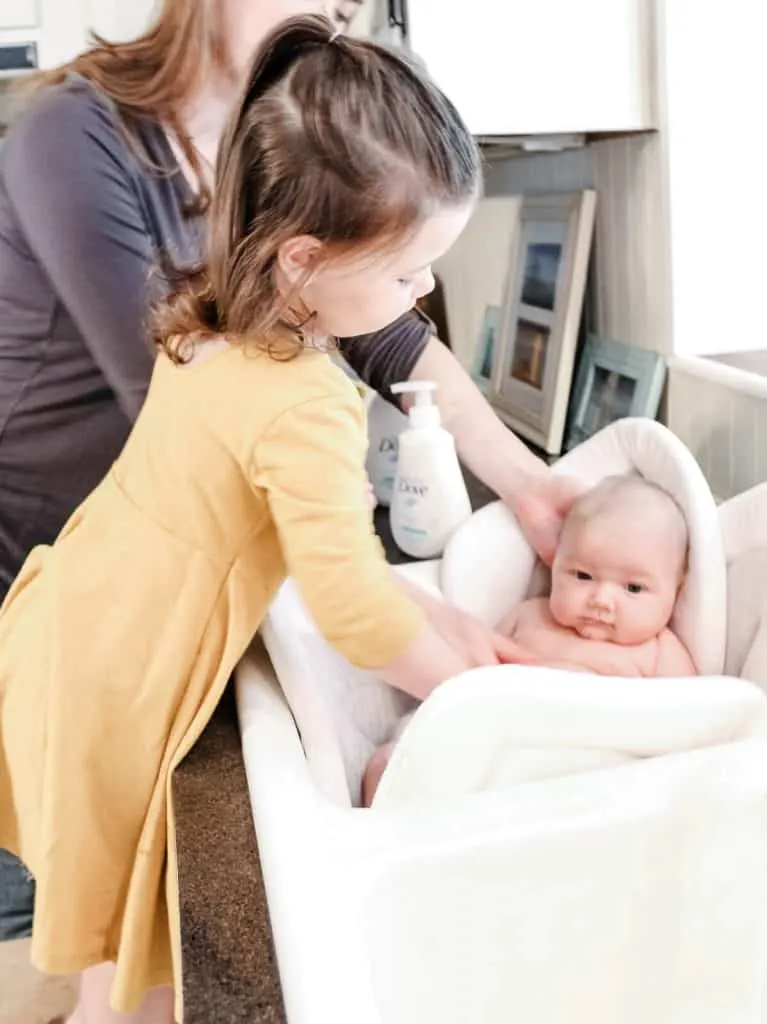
column 602, row 598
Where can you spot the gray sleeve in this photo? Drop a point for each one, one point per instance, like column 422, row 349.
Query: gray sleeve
column 388, row 356
column 71, row 189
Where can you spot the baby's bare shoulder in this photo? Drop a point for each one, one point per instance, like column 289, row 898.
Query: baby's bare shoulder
column 535, row 610
column 673, row 657
column 523, row 616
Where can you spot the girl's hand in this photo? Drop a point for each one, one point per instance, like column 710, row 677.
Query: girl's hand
column 474, row 643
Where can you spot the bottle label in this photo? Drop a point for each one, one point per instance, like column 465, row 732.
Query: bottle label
column 414, row 489
column 388, row 446
column 414, row 519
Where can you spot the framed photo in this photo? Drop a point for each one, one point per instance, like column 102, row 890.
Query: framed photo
column 614, row 380
column 485, row 352
column 541, row 315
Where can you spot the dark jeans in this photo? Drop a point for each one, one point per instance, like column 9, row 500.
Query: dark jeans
column 17, row 898
column 17, row 887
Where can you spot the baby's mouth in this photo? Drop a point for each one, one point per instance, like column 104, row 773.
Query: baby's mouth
column 587, row 626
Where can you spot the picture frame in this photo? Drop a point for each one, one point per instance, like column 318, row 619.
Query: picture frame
column 541, row 315
column 614, row 380
column 486, row 349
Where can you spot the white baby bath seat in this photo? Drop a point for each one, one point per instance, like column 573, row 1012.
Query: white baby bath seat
column 545, row 846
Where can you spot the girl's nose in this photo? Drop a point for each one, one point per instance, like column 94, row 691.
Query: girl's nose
column 424, row 283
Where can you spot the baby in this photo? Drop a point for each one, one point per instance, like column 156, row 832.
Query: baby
column 619, row 565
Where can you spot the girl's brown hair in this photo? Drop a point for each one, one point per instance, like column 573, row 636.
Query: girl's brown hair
column 333, row 137
column 153, row 77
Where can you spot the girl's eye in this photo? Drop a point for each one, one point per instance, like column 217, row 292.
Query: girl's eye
column 404, row 281
column 634, row 588
column 580, row 575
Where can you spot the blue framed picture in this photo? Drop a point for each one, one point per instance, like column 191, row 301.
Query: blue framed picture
column 613, row 381
column 487, row 348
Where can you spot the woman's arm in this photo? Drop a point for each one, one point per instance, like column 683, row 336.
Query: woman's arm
column 409, row 350
column 66, row 174
column 486, row 445
column 538, row 498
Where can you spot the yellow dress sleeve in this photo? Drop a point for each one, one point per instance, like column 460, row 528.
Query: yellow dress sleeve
column 311, row 464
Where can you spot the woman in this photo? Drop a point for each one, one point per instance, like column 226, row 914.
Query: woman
column 106, row 176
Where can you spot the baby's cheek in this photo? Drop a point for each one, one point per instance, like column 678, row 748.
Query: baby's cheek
column 563, row 606
column 641, row 620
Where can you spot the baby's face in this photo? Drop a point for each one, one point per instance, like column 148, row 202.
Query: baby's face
column 613, row 582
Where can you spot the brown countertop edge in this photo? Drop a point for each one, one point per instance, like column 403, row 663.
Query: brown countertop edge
column 229, row 966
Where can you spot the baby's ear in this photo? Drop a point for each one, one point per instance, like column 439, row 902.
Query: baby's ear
column 684, row 569
column 682, row 578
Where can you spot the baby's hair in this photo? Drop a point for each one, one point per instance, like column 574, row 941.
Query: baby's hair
column 638, row 496
column 337, row 138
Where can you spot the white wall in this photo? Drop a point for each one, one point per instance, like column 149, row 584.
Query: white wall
column 62, row 33
column 716, row 89
column 117, row 21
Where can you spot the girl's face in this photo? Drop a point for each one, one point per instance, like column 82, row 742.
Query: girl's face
column 249, row 21
column 359, row 295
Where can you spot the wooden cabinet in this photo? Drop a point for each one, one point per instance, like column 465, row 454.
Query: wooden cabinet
column 524, row 67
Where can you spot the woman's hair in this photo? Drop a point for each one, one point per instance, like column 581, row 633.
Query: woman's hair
column 153, row 77
column 335, row 138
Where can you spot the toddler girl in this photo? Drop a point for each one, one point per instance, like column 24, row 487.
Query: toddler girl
column 342, row 176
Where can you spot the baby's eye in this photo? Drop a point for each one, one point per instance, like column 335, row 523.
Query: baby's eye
column 404, row 281
column 581, row 575
column 634, row 588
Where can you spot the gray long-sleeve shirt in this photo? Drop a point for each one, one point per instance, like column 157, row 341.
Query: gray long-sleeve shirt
column 83, row 221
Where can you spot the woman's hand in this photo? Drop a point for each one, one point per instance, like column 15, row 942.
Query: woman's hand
column 542, row 508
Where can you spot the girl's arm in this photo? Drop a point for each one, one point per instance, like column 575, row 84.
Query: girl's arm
column 311, row 465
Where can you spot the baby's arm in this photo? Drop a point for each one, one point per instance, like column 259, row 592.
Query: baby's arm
column 673, row 657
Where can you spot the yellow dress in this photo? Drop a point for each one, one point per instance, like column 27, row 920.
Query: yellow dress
column 117, row 642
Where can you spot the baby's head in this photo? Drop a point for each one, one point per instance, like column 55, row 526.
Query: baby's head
column 620, row 562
